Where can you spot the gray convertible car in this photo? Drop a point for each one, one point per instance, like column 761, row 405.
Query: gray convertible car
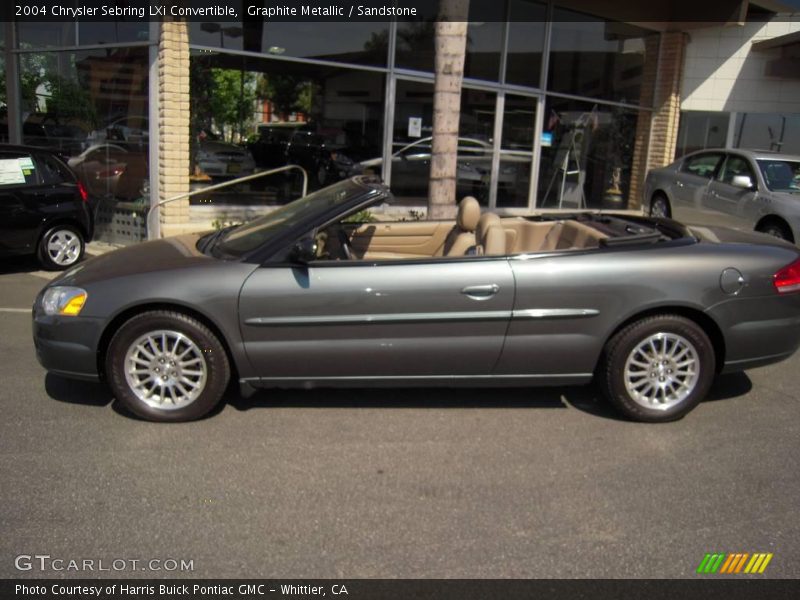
column 308, row 296
column 743, row 189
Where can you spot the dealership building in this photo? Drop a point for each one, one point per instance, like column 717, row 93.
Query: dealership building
column 564, row 104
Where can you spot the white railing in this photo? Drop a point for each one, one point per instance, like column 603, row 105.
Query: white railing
column 153, row 210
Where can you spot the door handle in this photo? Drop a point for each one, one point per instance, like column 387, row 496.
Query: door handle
column 481, row 292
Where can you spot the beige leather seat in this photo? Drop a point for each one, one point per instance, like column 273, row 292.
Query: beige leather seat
column 462, row 237
column 490, row 236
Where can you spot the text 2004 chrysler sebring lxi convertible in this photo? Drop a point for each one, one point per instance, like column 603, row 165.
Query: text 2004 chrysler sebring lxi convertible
column 650, row 309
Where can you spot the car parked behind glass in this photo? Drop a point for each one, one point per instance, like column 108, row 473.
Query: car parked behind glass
column 221, row 159
column 743, row 189
column 298, row 144
column 43, row 207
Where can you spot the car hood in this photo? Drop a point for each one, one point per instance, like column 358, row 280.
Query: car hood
column 148, row 257
column 725, row 235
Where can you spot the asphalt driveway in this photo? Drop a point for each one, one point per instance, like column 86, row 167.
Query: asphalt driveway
column 392, row 483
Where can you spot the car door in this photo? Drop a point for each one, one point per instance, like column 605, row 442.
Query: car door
column 728, row 204
column 339, row 320
column 691, row 183
column 20, row 202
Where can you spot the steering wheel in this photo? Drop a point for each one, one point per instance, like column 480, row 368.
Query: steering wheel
column 344, row 242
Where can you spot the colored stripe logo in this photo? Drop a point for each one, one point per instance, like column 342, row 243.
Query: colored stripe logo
column 734, row 563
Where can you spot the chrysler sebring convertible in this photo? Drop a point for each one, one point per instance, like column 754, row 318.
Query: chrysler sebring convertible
column 647, row 308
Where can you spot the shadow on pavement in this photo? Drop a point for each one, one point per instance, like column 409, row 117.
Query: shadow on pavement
column 19, row 264
column 727, row 387
column 77, row 392
column 584, row 398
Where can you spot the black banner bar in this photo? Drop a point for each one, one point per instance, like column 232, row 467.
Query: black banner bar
column 723, row 11
column 384, row 589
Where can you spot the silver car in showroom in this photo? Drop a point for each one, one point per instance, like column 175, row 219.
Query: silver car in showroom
column 313, row 294
column 743, row 189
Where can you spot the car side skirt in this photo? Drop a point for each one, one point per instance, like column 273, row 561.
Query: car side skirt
column 422, row 381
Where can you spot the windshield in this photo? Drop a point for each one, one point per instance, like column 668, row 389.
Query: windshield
column 246, row 238
column 781, row 175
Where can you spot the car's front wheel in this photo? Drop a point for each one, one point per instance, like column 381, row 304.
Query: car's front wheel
column 659, row 206
column 658, row 368
column 61, row 247
column 167, row 366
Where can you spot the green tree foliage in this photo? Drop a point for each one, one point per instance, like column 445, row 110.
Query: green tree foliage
column 70, row 100
column 231, row 99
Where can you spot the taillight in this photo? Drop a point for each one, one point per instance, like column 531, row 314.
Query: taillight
column 788, row 278
column 82, row 191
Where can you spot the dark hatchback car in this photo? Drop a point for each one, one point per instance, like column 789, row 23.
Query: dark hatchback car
column 44, row 208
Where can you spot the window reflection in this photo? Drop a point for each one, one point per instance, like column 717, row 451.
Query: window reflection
column 364, row 43
column 588, row 158
column 525, row 43
column 250, row 114
column 597, row 58
column 91, row 107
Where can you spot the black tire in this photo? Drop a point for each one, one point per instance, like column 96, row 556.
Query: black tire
column 659, row 206
column 777, row 229
column 72, row 242
column 623, row 345
column 217, row 368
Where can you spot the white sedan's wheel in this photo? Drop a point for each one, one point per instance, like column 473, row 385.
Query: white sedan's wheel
column 659, row 207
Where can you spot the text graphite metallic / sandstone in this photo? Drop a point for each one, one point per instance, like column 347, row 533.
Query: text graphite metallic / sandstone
column 307, row 10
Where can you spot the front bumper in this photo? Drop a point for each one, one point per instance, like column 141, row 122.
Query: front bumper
column 67, row 346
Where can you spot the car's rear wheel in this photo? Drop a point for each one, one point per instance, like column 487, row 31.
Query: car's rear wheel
column 167, row 366
column 659, row 206
column 61, row 247
column 657, row 369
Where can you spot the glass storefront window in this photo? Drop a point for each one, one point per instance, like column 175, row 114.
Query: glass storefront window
column 600, row 59
column 516, row 151
column 46, row 34
column 362, row 43
column 250, row 114
column 525, row 43
column 588, row 157
column 92, row 108
column 699, row 129
column 777, row 132
column 416, row 40
column 113, row 32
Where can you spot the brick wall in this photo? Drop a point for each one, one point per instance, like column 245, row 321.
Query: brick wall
column 657, row 131
column 643, row 122
column 173, row 125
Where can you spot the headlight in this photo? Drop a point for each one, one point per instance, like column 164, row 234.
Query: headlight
column 63, row 300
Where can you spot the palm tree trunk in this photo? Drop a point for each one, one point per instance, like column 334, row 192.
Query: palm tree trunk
column 451, row 40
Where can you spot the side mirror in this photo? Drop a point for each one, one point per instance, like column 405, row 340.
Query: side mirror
column 742, row 181
column 304, row 251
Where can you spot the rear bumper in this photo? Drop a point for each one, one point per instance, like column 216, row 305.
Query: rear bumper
column 67, row 346
column 758, row 331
